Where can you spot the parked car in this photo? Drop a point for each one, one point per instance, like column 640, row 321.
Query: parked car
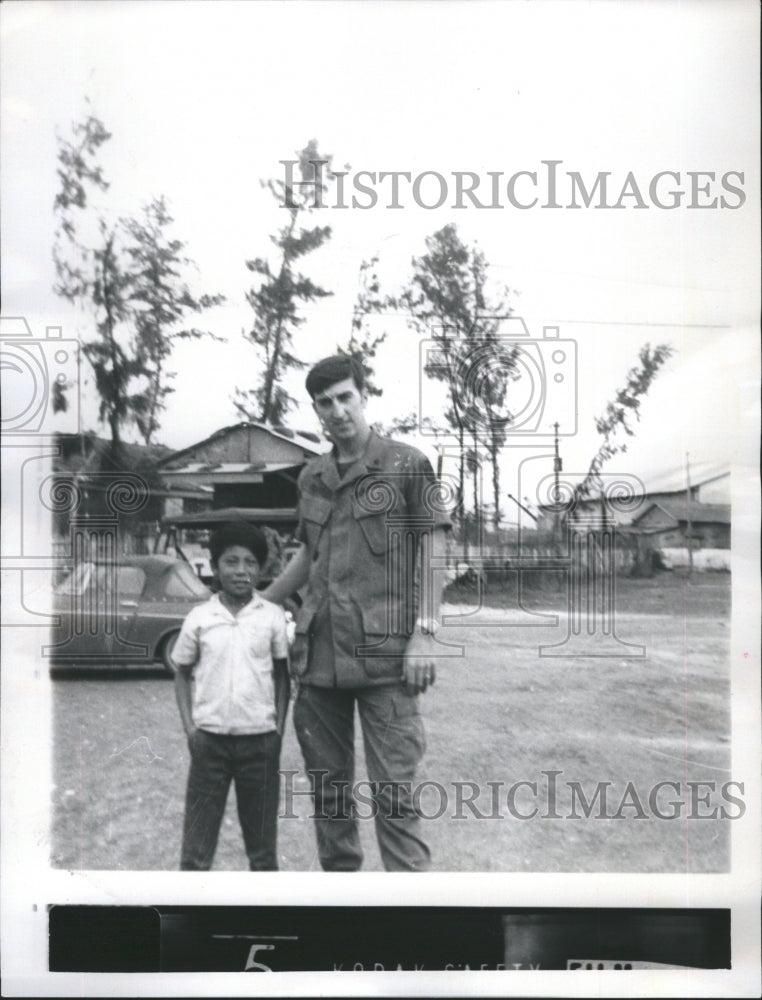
column 128, row 609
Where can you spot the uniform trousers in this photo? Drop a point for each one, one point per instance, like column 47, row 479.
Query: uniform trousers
column 394, row 746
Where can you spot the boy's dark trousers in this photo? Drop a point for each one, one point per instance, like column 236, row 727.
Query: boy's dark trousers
column 251, row 762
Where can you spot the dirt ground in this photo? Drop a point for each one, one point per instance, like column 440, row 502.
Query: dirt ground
column 534, row 740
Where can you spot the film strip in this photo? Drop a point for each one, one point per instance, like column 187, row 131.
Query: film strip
column 424, row 939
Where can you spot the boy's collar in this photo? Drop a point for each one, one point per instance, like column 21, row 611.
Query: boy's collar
column 255, row 600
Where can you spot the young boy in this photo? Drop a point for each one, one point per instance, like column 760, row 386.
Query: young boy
column 232, row 690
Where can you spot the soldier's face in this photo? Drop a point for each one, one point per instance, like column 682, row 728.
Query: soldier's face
column 341, row 409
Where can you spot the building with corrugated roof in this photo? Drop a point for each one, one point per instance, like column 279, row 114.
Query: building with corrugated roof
column 673, row 524
column 709, row 484
column 244, row 465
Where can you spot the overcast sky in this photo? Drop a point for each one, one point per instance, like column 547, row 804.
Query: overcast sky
column 204, row 100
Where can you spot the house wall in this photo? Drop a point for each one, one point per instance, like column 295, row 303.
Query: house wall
column 669, row 538
column 709, row 535
column 656, row 518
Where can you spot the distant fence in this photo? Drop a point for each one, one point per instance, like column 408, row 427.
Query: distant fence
column 631, row 555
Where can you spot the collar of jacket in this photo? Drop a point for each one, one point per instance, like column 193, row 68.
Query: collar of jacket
column 370, row 460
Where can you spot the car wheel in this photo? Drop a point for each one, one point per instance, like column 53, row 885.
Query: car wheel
column 166, row 652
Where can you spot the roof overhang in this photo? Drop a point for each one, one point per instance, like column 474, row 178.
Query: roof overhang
column 225, row 473
column 215, row 518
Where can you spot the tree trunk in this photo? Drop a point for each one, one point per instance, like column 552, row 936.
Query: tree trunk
column 475, row 490
column 495, row 487
column 272, row 366
column 462, row 489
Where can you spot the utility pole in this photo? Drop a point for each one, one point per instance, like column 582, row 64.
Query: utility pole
column 557, row 467
column 689, row 523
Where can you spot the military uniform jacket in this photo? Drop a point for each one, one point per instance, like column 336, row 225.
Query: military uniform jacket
column 368, row 536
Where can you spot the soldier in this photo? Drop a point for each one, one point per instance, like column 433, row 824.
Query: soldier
column 365, row 633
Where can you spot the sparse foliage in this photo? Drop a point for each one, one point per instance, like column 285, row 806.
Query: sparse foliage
column 363, row 344
column 126, row 272
column 161, row 300
column 447, row 300
column 619, row 415
column 279, row 292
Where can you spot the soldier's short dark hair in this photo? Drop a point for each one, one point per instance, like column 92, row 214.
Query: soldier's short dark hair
column 248, row 536
column 329, row 371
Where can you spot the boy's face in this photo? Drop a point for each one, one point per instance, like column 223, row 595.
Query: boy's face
column 238, row 571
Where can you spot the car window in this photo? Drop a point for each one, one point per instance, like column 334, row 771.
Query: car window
column 130, row 580
column 75, row 582
column 181, row 581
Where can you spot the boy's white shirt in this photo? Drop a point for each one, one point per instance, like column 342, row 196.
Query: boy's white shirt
column 232, row 659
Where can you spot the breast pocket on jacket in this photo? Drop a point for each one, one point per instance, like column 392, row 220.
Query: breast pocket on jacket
column 379, row 522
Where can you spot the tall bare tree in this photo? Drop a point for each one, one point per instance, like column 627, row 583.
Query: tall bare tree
column 281, row 290
column 161, row 301
column 363, row 343
column 90, row 271
column 447, row 301
column 127, row 274
column 618, row 417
